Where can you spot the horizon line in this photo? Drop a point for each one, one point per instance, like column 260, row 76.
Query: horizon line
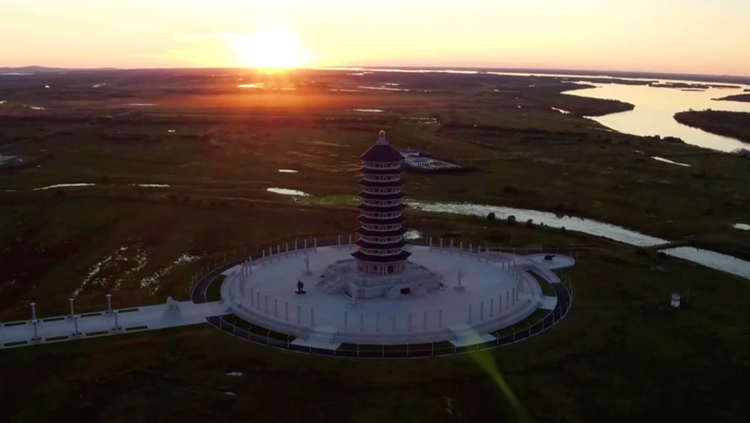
column 603, row 72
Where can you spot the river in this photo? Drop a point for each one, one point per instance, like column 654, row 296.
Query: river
column 655, row 108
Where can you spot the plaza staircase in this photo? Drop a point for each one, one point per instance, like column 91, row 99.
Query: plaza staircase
column 332, row 284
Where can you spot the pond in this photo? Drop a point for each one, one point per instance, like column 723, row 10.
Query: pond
column 285, row 191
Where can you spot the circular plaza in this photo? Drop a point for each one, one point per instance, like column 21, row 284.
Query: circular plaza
column 377, row 289
column 479, row 292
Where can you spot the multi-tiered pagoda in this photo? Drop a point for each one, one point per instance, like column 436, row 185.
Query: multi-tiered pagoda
column 381, row 242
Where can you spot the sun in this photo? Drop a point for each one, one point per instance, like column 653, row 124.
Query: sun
column 274, row 48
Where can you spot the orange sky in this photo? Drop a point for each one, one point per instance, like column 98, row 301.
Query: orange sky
column 685, row 36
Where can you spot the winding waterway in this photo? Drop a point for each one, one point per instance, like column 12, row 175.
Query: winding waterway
column 655, row 108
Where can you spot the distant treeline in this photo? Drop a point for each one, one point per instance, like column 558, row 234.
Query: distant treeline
column 728, row 124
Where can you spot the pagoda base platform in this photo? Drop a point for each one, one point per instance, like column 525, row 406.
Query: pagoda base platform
column 342, row 277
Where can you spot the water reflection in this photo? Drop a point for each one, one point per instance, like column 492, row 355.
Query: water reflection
column 285, row 191
column 655, row 109
column 63, row 186
column 411, row 235
column 592, row 227
column 663, row 160
column 706, row 258
column 713, row 260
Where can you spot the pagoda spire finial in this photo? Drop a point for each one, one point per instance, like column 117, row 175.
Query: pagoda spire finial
column 381, row 139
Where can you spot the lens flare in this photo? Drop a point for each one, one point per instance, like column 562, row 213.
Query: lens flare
column 271, row 49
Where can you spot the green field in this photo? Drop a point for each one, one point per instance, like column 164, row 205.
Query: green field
column 622, row 354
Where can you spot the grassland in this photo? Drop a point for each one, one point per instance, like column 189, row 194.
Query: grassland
column 622, row 354
column 621, row 336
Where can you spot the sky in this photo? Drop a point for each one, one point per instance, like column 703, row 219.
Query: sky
column 681, row 36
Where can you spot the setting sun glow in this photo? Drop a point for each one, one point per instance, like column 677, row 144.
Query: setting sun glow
column 275, row 48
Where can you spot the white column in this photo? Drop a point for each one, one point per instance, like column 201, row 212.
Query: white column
column 109, row 303
column 305, row 243
column 33, row 311
column 117, row 323
column 72, row 313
